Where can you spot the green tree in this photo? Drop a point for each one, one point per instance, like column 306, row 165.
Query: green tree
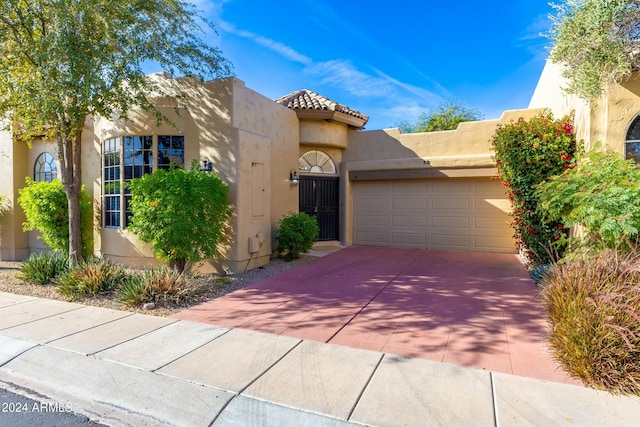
column 597, row 43
column 64, row 61
column 602, row 194
column 182, row 213
column 45, row 207
column 445, row 116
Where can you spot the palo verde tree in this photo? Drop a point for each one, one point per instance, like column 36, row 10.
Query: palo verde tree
column 445, row 116
column 64, row 61
column 597, row 42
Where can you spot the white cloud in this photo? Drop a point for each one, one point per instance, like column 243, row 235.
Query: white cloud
column 280, row 48
column 342, row 73
column 424, row 94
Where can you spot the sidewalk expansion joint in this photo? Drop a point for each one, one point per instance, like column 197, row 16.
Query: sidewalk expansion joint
column 494, row 400
column 191, row 351
column 42, row 318
column 364, row 388
column 95, row 353
column 253, row 381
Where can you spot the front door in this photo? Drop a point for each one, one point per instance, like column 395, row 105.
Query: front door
column 319, row 197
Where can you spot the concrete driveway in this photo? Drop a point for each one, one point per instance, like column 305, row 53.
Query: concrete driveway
column 471, row 309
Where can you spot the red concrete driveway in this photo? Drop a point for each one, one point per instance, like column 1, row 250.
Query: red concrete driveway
column 472, row 309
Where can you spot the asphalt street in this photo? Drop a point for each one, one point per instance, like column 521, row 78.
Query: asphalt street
column 19, row 411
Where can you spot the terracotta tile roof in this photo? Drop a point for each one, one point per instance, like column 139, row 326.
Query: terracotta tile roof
column 307, row 100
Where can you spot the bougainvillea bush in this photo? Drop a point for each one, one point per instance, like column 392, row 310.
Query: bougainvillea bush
column 527, row 153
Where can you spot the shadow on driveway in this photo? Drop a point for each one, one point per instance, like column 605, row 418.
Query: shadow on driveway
column 472, row 309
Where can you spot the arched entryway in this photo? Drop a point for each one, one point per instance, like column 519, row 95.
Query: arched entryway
column 319, row 192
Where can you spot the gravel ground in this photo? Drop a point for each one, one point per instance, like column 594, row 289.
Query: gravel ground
column 210, row 286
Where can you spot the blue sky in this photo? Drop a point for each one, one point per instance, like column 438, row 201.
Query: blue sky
column 389, row 60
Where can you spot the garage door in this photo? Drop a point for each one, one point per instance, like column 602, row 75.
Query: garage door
column 455, row 214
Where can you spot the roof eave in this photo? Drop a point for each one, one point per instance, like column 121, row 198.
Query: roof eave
column 329, row 115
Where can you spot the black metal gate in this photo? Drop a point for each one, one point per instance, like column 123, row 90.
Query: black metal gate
column 319, row 197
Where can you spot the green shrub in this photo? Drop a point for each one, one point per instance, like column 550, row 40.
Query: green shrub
column 91, row 277
column 296, row 235
column 43, row 268
column 160, row 286
column 601, row 194
column 594, row 311
column 182, row 213
column 132, row 290
column 46, row 208
column 528, row 153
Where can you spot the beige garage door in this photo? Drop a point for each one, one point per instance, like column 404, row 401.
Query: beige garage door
column 455, row 214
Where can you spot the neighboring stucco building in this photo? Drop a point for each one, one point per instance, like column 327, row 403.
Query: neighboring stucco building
column 304, row 152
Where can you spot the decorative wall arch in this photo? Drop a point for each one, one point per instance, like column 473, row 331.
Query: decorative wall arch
column 316, row 161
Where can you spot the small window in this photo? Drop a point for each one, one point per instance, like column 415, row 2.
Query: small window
column 316, row 162
column 45, row 168
column 632, row 142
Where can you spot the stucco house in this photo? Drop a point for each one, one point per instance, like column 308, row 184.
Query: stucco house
column 306, row 153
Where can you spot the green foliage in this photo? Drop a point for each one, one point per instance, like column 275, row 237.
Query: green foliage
column 90, row 277
column 160, row 285
column 43, row 268
column 446, row 116
column 527, row 153
column 296, row 235
column 64, row 61
column 593, row 307
column 182, row 213
column 45, row 207
column 596, row 42
column 602, row 194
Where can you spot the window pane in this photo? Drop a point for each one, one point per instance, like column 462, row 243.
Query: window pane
column 633, row 151
column 44, row 168
column 170, row 151
column 633, row 134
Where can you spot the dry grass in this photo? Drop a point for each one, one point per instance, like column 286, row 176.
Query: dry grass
column 209, row 286
column 594, row 311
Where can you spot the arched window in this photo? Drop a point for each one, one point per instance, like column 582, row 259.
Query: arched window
column 632, row 142
column 315, row 161
column 45, row 168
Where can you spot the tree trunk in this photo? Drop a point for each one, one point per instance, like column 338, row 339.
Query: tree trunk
column 70, row 159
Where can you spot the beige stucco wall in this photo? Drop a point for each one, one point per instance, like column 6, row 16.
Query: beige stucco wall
column 252, row 143
column 14, row 157
column 466, row 151
column 323, row 134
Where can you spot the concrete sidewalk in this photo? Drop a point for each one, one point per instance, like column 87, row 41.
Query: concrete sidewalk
column 125, row 369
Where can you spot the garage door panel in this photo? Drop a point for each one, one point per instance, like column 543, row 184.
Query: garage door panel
column 419, row 188
column 414, row 203
column 450, row 204
column 371, row 238
column 493, row 243
column 492, row 223
column 375, row 220
column 451, row 186
column 409, row 239
column 492, row 205
column 367, row 203
column 450, row 222
column 448, row 241
column 460, row 214
column 409, row 220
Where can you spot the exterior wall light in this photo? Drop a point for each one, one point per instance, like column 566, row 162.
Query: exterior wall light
column 207, row 166
column 293, row 178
